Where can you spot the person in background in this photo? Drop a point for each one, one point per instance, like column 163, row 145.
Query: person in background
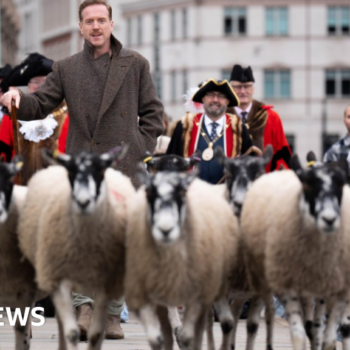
column 4, row 72
column 34, row 135
column 340, row 149
column 213, row 128
column 264, row 124
column 107, row 88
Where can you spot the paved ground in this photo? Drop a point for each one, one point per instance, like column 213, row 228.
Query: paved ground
column 45, row 337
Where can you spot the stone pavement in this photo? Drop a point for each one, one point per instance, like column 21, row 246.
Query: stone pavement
column 45, row 337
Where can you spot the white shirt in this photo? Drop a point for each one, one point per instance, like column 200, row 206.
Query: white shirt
column 208, row 124
column 239, row 110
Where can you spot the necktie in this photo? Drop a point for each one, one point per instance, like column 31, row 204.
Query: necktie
column 213, row 131
column 244, row 115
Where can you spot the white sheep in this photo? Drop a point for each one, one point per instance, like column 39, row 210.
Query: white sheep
column 293, row 240
column 73, row 231
column 181, row 245
column 17, row 288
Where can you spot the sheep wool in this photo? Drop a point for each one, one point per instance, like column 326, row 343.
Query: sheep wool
column 85, row 249
column 196, row 267
column 283, row 250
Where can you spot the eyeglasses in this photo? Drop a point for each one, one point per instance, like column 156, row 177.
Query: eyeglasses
column 212, row 95
column 241, row 86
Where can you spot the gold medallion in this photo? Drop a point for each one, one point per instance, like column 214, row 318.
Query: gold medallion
column 208, row 154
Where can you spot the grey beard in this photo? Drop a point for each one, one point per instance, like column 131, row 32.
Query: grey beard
column 215, row 113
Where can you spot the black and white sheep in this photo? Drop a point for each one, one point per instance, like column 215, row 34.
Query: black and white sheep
column 293, row 239
column 181, row 244
column 73, row 231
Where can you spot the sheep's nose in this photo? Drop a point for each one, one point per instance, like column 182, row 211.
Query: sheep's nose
column 84, row 204
column 329, row 221
column 165, row 232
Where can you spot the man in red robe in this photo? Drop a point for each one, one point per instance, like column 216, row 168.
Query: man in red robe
column 264, row 124
column 214, row 128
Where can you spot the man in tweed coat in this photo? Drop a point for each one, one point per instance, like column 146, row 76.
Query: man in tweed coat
column 106, row 88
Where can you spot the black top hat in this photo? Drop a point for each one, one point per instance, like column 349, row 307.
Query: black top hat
column 222, row 86
column 5, row 71
column 241, row 74
column 34, row 65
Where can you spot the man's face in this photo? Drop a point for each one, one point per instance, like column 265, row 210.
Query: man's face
column 347, row 119
column 96, row 27
column 35, row 83
column 244, row 91
column 215, row 103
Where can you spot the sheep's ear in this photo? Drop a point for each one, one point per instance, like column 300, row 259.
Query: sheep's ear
column 220, row 155
column 114, row 155
column 50, row 157
column 188, row 178
column 195, row 158
column 142, row 175
column 295, row 165
column 311, row 157
column 16, row 165
column 267, row 155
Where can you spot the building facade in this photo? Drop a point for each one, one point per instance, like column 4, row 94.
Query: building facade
column 10, row 27
column 299, row 52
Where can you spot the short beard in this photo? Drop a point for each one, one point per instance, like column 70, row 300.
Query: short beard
column 214, row 113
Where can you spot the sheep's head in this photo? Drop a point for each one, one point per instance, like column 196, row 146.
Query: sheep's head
column 166, row 201
column 7, row 174
column 170, row 162
column 240, row 172
column 322, row 192
column 86, row 175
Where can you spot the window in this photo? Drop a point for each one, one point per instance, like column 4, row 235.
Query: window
column 128, row 32
column 337, row 82
column 184, row 23
column 139, row 30
column 184, row 81
column 235, row 20
column 339, row 20
column 157, row 78
column 291, row 142
column 226, row 74
column 173, row 25
column 173, row 86
column 276, row 21
column 328, row 140
column 277, row 83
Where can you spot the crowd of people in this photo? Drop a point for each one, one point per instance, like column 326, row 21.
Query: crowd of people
column 110, row 97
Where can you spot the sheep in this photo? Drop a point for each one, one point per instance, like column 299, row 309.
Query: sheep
column 292, row 235
column 18, row 289
column 72, row 230
column 181, row 245
column 240, row 173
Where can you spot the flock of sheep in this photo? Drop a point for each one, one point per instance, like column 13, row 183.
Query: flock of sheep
column 81, row 226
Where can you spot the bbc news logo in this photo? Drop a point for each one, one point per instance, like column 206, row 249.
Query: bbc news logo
column 17, row 315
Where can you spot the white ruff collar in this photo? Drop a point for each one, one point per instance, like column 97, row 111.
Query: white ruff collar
column 37, row 130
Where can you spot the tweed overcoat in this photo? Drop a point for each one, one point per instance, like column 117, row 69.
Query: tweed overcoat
column 129, row 93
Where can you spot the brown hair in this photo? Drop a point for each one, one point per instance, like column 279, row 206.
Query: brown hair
column 87, row 3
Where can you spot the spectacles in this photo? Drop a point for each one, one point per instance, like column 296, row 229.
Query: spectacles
column 240, row 87
column 212, row 95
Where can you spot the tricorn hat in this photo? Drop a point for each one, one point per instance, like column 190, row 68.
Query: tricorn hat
column 222, row 86
column 34, row 65
column 5, row 71
column 244, row 75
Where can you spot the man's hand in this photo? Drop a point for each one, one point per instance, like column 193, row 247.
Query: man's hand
column 7, row 98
